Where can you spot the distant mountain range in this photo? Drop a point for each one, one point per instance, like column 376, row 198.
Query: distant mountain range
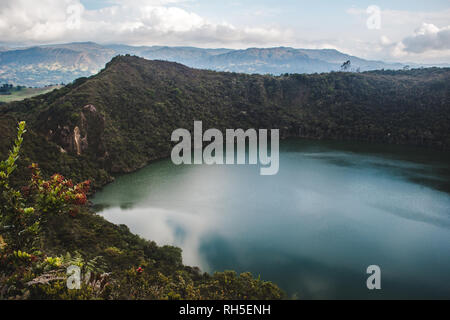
column 63, row 63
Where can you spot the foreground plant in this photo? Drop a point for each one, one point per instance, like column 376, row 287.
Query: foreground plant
column 23, row 215
column 48, row 217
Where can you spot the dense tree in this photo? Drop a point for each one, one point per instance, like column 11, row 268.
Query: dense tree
column 127, row 112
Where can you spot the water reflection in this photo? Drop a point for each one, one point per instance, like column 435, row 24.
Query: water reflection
column 332, row 210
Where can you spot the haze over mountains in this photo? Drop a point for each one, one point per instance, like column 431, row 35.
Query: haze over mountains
column 63, row 63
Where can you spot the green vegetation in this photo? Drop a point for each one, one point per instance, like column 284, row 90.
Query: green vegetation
column 122, row 118
column 46, row 227
column 19, row 93
column 125, row 114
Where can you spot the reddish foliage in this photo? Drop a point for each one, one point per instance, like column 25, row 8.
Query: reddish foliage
column 73, row 195
column 80, row 199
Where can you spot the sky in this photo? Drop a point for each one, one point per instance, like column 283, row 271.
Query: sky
column 395, row 30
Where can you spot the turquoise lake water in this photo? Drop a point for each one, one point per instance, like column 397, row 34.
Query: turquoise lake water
column 333, row 209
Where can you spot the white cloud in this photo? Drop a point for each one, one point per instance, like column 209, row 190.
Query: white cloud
column 126, row 21
column 396, row 40
column 385, row 41
column 428, row 37
column 21, row 21
column 168, row 22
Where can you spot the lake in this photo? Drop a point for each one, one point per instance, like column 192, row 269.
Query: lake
column 333, row 209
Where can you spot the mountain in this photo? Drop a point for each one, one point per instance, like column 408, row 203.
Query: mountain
column 53, row 64
column 288, row 60
column 272, row 60
column 122, row 118
column 183, row 55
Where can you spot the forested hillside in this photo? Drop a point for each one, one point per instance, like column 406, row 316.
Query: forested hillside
column 46, row 230
column 122, row 118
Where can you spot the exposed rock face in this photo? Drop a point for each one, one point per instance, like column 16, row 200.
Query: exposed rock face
column 84, row 138
column 62, row 136
column 77, row 140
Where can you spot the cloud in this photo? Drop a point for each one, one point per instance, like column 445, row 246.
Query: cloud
column 20, row 20
column 396, row 40
column 172, row 22
column 428, row 37
column 126, row 21
column 177, row 227
column 427, row 42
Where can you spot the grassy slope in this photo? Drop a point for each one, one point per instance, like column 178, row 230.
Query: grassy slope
column 26, row 93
